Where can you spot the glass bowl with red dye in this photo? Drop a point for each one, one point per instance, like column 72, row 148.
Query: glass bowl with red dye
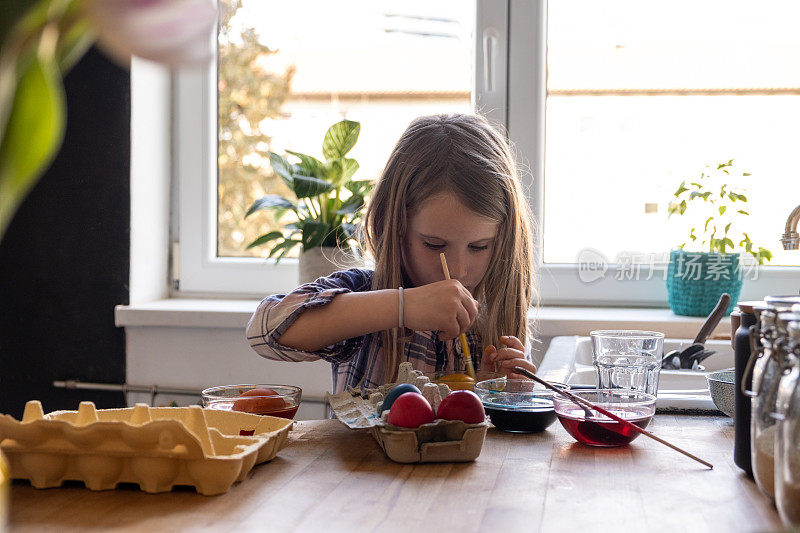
column 595, row 429
column 257, row 399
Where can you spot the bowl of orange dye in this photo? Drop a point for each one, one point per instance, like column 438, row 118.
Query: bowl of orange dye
column 461, row 381
column 258, row 399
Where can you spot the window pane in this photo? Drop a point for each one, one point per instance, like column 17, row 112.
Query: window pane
column 289, row 69
column 643, row 95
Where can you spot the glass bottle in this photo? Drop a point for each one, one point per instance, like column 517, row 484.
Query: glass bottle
column 767, row 372
column 742, row 348
column 787, row 434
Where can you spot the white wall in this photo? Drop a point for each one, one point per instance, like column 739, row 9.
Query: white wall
column 197, row 358
column 150, row 180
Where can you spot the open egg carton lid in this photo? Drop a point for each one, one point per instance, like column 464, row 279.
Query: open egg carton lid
column 156, row 448
column 439, row 441
column 358, row 409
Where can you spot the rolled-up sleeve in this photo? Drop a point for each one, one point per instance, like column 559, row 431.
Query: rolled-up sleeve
column 276, row 313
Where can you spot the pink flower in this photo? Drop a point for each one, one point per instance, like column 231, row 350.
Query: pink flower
column 168, row 31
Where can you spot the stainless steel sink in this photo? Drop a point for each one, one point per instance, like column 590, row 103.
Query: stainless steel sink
column 569, row 360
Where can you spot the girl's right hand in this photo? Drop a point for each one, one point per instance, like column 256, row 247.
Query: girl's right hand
column 446, row 306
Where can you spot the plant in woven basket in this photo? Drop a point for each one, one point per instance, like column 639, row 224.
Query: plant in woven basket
column 328, row 203
column 708, row 263
column 722, row 206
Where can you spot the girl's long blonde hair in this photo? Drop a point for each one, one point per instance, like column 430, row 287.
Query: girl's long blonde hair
column 464, row 155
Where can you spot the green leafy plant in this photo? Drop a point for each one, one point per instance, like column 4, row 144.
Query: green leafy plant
column 722, row 205
column 328, row 203
column 40, row 40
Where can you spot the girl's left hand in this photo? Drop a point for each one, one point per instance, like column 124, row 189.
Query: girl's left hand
column 507, row 357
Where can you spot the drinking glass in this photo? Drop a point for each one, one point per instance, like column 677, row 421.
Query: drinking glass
column 627, row 359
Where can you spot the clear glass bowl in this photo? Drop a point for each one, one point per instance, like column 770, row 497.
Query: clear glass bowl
column 273, row 400
column 595, row 429
column 517, row 405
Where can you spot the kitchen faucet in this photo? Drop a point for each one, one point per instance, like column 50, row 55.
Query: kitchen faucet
column 791, row 239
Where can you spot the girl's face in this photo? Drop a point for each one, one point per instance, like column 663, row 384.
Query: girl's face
column 444, row 224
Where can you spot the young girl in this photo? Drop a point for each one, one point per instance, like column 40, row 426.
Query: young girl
column 450, row 186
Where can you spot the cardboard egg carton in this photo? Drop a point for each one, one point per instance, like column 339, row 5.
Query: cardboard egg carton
column 156, row 448
column 439, row 441
column 443, row 441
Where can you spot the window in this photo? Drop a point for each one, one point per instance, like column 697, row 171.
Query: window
column 279, row 85
column 613, row 103
column 641, row 96
column 282, row 85
column 610, row 104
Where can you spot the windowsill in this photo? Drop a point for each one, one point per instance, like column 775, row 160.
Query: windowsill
column 550, row 321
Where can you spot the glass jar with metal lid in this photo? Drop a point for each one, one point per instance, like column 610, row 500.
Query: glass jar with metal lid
column 787, row 433
column 770, row 362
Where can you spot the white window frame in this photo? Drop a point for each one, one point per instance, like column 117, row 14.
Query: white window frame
column 559, row 284
column 509, row 88
column 199, row 271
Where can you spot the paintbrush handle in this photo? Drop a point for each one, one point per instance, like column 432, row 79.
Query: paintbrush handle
column 467, row 356
column 462, row 337
column 633, row 426
column 630, row 425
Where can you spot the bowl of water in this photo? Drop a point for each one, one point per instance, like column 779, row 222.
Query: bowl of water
column 590, row 427
column 517, row 405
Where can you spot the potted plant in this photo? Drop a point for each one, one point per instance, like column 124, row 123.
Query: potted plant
column 709, row 263
column 327, row 207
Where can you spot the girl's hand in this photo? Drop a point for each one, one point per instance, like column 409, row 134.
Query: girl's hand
column 446, row 306
column 506, row 358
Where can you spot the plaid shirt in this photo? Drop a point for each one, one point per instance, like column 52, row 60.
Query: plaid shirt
column 356, row 359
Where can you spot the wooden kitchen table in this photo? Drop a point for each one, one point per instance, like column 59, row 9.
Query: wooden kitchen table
column 331, row 478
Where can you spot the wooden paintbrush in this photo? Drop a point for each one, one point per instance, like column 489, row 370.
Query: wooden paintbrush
column 462, row 337
column 586, row 403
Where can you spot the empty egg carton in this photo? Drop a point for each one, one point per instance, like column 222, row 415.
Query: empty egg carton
column 157, row 448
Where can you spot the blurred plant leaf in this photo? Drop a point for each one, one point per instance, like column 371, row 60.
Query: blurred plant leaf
column 76, row 36
column 340, row 139
column 681, row 189
column 271, row 201
column 285, row 246
column 333, row 172
column 362, row 187
column 351, row 205
column 311, row 166
column 349, row 167
column 268, row 237
column 314, row 233
column 282, row 168
column 32, row 136
column 306, row 186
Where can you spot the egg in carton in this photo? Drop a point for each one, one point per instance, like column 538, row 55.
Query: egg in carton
column 438, row 441
column 156, row 448
column 407, row 374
